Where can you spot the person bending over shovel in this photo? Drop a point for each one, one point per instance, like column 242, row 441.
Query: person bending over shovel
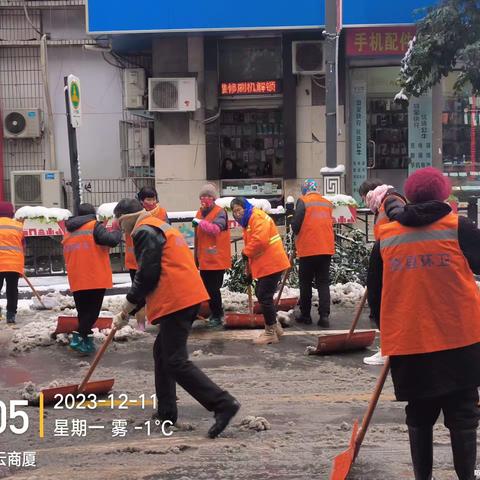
column 267, row 261
column 86, row 251
column 168, row 281
column 422, row 289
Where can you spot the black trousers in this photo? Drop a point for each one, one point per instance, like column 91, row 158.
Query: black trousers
column 265, row 290
column 316, row 268
column 88, row 304
column 172, row 366
column 213, row 281
column 12, row 289
column 460, row 410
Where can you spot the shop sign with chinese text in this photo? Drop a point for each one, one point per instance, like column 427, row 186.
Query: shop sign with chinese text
column 378, row 41
column 268, row 87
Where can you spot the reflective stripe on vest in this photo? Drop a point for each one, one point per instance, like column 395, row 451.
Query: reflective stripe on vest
column 275, row 238
column 14, row 249
column 80, row 233
column 11, row 227
column 318, row 204
column 419, row 237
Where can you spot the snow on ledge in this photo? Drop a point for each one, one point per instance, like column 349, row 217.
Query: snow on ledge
column 105, row 210
column 337, row 169
column 43, row 213
column 340, row 200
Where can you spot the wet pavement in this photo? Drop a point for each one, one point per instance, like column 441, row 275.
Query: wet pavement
column 310, row 403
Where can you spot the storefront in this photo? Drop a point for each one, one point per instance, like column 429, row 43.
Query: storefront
column 388, row 139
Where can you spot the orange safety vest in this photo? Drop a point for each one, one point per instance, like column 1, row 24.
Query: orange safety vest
column 430, row 301
column 316, row 235
column 12, row 258
column 87, row 263
column 381, row 218
column 180, row 285
column 213, row 253
column 130, row 260
column 263, row 246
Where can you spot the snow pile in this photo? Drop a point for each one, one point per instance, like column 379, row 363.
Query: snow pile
column 180, row 215
column 337, row 169
column 340, row 200
column 234, row 301
column 346, row 294
column 31, row 391
column 401, row 96
column 258, row 424
column 277, row 211
column 105, row 211
column 54, row 301
column 43, row 214
column 33, row 334
column 285, row 318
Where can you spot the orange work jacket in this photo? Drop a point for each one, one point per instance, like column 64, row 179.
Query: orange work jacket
column 12, row 258
column 87, row 263
column 263, row 246
column 213, row 253
column 180, row 285
column 430, row 301
column 316, row 235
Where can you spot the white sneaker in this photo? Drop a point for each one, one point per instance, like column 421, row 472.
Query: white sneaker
column 376, row 359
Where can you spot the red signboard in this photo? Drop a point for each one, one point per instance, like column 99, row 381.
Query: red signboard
column 378, row 41
column 250, row 88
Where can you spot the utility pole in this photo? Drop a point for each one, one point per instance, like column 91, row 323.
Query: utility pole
column 331, row 36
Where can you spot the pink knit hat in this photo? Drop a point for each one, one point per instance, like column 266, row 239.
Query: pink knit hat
column 427, row 184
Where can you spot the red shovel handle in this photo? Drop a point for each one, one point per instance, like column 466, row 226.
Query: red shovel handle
column 97, row 358
column 358, row 313
column 371, row 407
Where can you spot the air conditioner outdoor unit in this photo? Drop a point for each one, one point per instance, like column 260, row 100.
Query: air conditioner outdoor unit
column 37, row 187
column 308, row 57
column 172, row 94
column 22, row 123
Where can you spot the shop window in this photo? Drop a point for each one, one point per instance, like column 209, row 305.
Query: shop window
column 251, row 143
column 387, row 124
column 461, row 140
column 250, row 59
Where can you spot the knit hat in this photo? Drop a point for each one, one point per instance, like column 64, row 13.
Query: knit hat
column 427, row 184
column 208, row 190
column 6, row 210
column 374, row 198
column 309, row 185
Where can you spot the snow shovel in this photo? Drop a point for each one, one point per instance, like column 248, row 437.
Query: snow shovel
column 343, row 342
column 252, row 319
column 343, row 462
column 100, row 387
column 66, row 324
column 245, row 320
column 29, row 283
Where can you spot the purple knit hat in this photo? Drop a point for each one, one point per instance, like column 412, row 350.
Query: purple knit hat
column 6, row 210
column 427, row 184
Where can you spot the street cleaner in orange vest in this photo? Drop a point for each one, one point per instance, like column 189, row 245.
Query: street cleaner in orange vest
column 148, row 197
column 12, row 257
column 377, row 195
column 212, row 249
column 168, row 281
column 312, row 224
column 86, row 248
column 267, row 260
column 422, row 289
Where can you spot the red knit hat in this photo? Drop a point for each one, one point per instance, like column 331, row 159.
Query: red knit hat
column 6, row 209
column 427, row 184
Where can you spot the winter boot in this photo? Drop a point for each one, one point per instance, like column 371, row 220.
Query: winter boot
column 268, row 336
column 86, row 347
column 323, row 321
column 10, row 317
column 222, row 418
column 464, row 449
column 307, row 320
column 278, row 329
column 421, row 449
column 215, row 321
column 75, row 341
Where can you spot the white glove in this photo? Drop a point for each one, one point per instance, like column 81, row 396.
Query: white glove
column 120, row 320
column 127, row 307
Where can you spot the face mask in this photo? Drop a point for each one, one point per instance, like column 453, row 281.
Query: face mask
column 206, row 202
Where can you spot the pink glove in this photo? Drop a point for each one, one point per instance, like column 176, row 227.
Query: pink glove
column 210, row 228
